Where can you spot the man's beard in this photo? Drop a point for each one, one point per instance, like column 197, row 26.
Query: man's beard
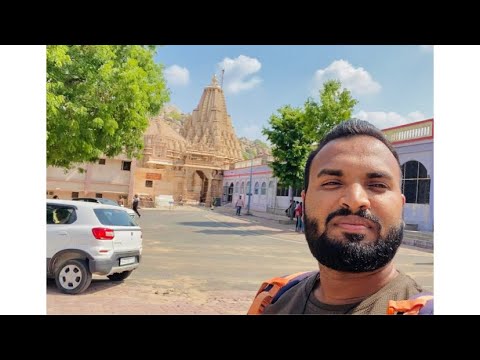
column 352, row 255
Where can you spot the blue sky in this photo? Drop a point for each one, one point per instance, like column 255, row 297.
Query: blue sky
column 393, row 83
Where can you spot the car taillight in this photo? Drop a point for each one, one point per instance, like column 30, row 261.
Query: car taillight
column 103, row 233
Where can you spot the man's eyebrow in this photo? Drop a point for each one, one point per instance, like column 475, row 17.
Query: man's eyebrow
column 331, row 172
column 379, row 174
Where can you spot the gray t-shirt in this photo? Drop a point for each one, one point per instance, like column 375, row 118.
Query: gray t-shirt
column 301, row 300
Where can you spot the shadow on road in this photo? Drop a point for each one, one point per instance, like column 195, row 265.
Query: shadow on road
column 213, row 228
column 216, row 224
column 240, row 232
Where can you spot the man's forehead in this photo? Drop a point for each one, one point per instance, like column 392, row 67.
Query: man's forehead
column 359, row 148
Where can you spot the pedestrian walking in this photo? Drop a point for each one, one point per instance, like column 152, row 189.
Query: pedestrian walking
column 239, row 204
column 135, row 204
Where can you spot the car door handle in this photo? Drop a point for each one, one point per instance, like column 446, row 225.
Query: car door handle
column 62, row 233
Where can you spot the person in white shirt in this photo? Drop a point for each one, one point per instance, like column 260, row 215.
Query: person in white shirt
column 239, row 204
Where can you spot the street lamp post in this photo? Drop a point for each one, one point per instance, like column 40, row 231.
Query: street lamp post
column 250, row 188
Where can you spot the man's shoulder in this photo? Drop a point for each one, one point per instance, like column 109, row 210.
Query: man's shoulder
column 400, row 290
column 292, row 296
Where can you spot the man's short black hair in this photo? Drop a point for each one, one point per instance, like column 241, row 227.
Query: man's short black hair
column 347, row 129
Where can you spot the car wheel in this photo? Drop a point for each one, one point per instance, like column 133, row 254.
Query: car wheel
column 73, row 277
column 120, row 276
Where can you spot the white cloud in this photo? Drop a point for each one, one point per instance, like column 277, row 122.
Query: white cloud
column 251, row 132
column 237, row 73
column 177, row 75
column 357, row 80
column 384, row 120
column 427, row 48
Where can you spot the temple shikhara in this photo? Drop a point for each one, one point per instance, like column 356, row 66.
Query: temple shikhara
column 186, row 165
column 190, row 164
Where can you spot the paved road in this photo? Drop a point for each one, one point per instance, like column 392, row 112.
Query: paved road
column 197, row 261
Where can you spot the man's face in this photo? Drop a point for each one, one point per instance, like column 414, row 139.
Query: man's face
column 353, row 205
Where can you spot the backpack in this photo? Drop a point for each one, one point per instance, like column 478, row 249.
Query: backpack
column 271, row 290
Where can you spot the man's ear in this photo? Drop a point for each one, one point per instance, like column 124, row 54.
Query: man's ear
column 303, row 196
column 403, row 199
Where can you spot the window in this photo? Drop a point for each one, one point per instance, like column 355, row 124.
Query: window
column 263, row 191
column 60, row 215
column 98, row 195
column 415, row 183
column 242, row 188
column 126, row 165
column 148, row 183
column 74, row 195
column 257, row 185
column 282, row 191
column 101, row 161
column 297, row 192
column 247, row 189
column 114, row 217
column 236, row 188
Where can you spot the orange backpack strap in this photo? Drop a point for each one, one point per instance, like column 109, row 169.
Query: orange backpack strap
column 412, row 306
column 268, row 290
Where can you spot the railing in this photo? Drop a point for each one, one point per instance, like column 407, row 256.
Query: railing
column 415, row 131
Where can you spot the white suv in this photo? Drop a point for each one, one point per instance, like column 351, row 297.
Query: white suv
column 85, row 238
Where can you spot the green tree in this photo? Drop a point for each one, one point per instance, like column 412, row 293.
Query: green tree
column 294, row 132
column 99, row 99
column 289, row 146
column 336, row 106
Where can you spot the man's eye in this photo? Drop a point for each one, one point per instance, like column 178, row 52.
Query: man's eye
column 331, row 183
column 380, row 186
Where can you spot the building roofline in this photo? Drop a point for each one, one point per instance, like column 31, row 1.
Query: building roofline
column 409, row 124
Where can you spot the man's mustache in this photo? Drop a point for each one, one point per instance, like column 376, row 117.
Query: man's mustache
column 361, row 213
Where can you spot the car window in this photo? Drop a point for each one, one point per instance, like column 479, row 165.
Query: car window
column 60, row 215
column 114, row 217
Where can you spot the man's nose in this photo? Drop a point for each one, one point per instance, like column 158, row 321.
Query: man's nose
column 355, row 198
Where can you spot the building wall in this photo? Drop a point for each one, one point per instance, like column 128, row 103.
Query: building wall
column 161, row 183
column 260, row 174
column 111, row 172
column 109, row 180
column 258, row 202
column 421, row 214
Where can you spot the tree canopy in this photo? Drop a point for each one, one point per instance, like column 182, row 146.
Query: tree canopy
column 289, row 146
column 294, row 131
column 99, row 99
column 335, row 106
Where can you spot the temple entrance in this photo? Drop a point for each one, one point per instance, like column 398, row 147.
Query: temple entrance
column 203, row 187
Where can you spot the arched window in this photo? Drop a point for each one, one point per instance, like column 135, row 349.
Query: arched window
column 247, row 189
column 263, row 190
column 257, row 185
column 242, row 188
column 415, row 183
column 236, row 187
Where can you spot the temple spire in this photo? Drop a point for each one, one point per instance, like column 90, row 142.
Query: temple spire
column 214, row 81
column 210, row 124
